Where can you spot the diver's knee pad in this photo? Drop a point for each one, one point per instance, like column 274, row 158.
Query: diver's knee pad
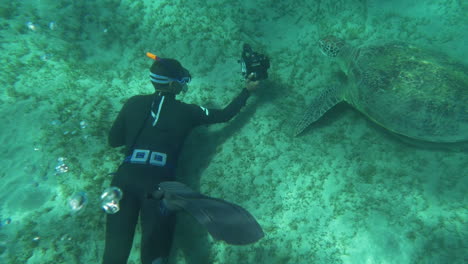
column 160, row 261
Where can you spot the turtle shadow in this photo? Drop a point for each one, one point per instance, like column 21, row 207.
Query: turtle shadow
column 408, row 142
column 339, row 111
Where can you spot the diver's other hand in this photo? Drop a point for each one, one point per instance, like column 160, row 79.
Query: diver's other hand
column 251, row 85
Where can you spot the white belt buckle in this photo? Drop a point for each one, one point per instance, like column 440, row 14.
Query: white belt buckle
column 158, row 158
column 140, row 156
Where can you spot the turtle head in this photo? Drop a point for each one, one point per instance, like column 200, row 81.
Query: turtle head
column 331, row 46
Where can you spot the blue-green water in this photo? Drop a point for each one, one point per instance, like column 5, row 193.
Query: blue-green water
column 345, row 191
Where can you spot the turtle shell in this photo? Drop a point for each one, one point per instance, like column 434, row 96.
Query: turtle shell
column 418, row 93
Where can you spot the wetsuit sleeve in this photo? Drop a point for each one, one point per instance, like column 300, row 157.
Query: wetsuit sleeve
column 210, row 116
column 117, row 132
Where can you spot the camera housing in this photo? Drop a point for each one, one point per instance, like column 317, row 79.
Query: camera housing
column 253, row 62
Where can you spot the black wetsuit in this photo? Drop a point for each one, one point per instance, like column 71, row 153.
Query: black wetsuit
column 134, row 129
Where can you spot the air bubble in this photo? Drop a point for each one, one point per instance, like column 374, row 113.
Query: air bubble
column 78, row 201
column 110, row 199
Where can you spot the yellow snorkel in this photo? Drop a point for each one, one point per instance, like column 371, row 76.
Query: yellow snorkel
column 152, row 56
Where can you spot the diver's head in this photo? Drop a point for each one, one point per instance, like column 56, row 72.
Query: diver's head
column 169, row 76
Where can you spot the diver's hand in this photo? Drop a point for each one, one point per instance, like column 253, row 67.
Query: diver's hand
column 251, row 85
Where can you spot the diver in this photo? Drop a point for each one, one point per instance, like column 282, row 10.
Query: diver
column 153, row 129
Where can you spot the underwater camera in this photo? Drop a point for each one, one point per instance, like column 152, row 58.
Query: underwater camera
column 253, row 62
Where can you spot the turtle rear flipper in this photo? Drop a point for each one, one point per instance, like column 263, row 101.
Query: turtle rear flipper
column 321, row 104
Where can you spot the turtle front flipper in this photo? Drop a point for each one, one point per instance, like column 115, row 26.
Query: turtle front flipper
column 321, row 104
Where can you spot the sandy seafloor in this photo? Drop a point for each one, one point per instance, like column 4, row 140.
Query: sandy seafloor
column 345, row 191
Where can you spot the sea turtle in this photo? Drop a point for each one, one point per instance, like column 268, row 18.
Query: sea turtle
column 408, row 90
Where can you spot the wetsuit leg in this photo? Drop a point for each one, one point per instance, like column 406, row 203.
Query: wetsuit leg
column 157, row 232
column 120, row 229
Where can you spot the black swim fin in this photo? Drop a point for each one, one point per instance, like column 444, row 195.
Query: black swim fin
column 223, row 220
